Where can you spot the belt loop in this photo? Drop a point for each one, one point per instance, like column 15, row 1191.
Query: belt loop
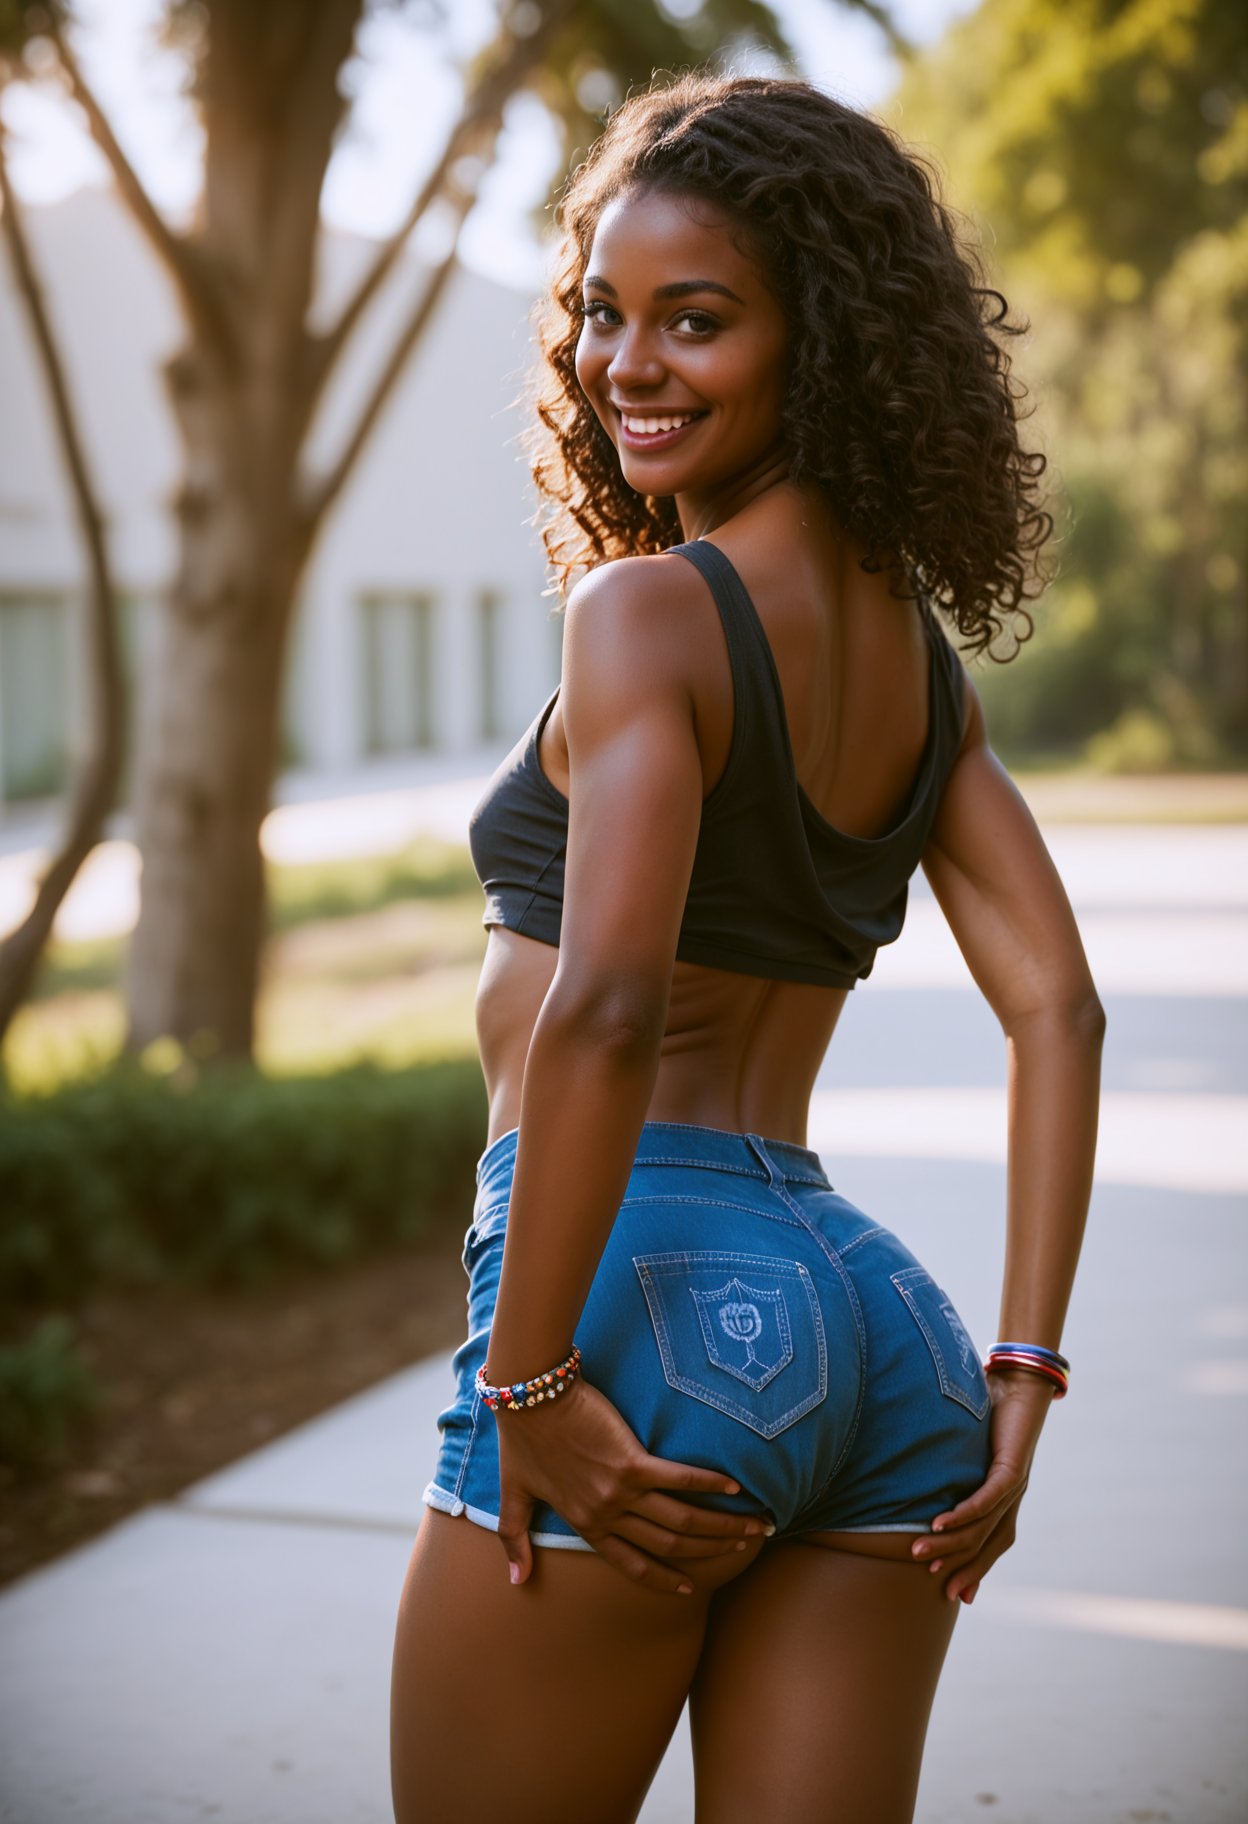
column 757, row 1146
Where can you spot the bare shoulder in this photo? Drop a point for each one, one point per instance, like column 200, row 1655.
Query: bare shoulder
column 978, row 792
column 629, row 617
column 626, row 648
column 635, row 784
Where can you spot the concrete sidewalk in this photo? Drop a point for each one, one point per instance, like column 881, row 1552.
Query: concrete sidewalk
column 227, row 1655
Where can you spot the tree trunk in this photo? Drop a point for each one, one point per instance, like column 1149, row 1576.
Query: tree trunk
column 205, row 789
column 241, row 391
column 207, row 765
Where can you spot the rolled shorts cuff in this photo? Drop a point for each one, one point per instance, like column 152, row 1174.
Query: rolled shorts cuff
column 447, row 1503
column 897, row 1526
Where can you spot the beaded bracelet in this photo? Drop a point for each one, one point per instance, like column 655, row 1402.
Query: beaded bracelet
column 528, row 1393
column 1047, row 1362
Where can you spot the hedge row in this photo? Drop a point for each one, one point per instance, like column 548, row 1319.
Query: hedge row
column 229, row 1178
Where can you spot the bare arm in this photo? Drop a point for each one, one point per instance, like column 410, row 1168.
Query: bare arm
column 635, row 811
column 996, row 884
column 636, row 806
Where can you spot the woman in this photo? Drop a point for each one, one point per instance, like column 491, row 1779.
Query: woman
column 774, row 430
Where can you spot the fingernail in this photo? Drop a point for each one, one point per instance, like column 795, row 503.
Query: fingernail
column 935, row 1565
column 769, row 1529
column 968, row 1596
column 684, row 1589
column 513, row 1571
column 732, row 1488
column 919, row 1547
column 742, row 1545
column 938, row 1526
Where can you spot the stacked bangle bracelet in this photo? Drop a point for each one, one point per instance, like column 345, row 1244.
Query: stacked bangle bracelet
column 529, row 1393
column 1047, row 1362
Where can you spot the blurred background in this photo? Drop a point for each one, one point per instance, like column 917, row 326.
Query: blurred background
column 273, row 607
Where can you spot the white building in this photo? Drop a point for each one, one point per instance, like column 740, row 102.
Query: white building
column 422, row 628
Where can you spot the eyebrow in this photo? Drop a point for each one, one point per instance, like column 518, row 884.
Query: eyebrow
column 680, row 289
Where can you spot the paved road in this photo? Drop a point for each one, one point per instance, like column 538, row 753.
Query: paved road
column 227, row 1655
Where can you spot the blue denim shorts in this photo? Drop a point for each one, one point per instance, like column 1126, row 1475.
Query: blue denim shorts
column 746, row 1318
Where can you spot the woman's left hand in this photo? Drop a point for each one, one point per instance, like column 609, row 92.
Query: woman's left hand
column 582, row 1459
column 967, row 1540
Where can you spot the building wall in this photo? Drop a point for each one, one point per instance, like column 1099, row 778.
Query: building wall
column 421, row 627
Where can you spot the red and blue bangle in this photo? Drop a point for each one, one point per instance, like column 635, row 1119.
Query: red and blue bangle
column 1046, row 1362
column 529, row 1393
column 1036, row 1349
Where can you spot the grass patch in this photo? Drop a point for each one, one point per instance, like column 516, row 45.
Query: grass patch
column 368, row 961
column 425, row 870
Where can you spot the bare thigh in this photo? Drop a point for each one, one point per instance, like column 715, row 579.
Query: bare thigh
column 547, row 1703
column 815, row 1685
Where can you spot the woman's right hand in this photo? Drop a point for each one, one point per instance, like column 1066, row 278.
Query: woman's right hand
column 581, row 1457
column 967, row 1540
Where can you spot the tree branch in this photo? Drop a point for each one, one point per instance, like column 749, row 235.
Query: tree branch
column 481, row 117
column 98, row 771
column 175, row 251
column 880, row 15
column 323, row 495
column 313, row 109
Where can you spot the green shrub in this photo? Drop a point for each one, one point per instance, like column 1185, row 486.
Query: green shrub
column 46, row 1390
column 228, row 1177
column 425, row 869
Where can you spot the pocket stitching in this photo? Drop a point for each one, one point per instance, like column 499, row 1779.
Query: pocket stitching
column 921, row 1276
column 714, row 1203
column 712, row 1349
column 645, row 1264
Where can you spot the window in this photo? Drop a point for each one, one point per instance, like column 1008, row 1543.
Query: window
column 398, row 672
column 34, row 695
column 489, row 720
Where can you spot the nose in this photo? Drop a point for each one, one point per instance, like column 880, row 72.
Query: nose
column 635, row 362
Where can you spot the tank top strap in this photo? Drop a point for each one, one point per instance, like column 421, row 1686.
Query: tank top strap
column 758, row 707
column 950, row 698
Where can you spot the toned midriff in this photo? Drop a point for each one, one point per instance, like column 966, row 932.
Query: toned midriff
column 739, row 1052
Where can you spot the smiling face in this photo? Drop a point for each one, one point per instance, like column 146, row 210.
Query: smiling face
column 683, row 353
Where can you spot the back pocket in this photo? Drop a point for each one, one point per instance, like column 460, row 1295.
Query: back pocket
column 741, row 1332
column 958, row 1368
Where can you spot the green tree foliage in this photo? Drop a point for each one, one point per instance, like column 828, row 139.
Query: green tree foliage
column 1101, row 148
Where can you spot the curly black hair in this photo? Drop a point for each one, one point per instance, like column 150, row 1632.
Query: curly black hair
column 899, row 404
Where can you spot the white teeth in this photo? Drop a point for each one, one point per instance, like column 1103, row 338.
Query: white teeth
column 649, row 426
